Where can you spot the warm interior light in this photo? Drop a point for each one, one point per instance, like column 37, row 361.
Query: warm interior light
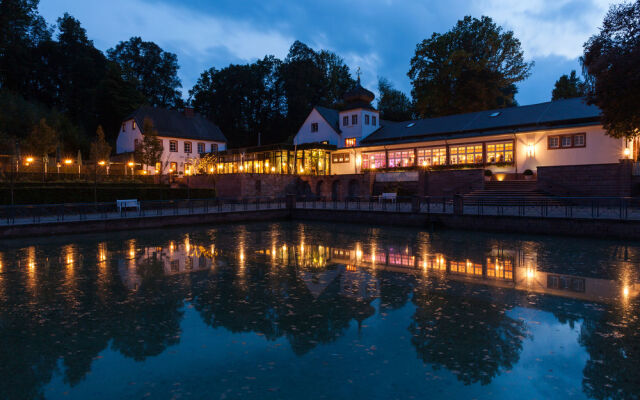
column 130, row 163
column 29, row 159
column 627, row 152
column 68, row 161
column 101, row 162
column 500, row 177
column 424, row 163
column 241, row 168
column 273, row 169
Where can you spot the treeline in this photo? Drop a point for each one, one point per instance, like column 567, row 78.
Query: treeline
column 54, row 80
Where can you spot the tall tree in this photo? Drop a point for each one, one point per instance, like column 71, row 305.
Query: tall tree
column 393, row 104
column 150, row 150
column 611, row 59
column 567, row 87
column 311, row 78
column 21, row 30
column 154, row 70
column 100, row 149
column 472, row 67
column 244, row 100
column 42, row 141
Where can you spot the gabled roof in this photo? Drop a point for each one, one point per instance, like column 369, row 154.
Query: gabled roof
column 331, row 116
column 170, row 123
column 553, row 114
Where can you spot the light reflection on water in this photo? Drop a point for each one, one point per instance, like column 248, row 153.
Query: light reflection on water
column 271, row 310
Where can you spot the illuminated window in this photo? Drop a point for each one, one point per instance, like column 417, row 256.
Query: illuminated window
column 338, row 158
column 465, row 154
column 345, row 120
column 173, row 146
column 374, row 160
column 432, row 156
column 201, row 148
column 350, row 142
column 401, row 158
column 133, row 125
column 354, row 119
column 187, row 147
column 366, row 119
column 314, row 127
column 173, row 167
column 500, row 152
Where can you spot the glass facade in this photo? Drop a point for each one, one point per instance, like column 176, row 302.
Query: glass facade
column 466, row 154
column 303, row 160
column 500, row 152
column 432, row 156
column 374, row 160
column 401, row 158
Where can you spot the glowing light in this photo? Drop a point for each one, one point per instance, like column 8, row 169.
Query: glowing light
column 625, row 291
column 424, row 163
column 358, row 253
column 187, row 245
column 241, row 255
column 500, row 177
column 241, row 168
column 29, row 159
column 172, row 247
column 68, row 161
column 301, row 170
column 144, row 172
column 530, row 150
column 530, row 273
column 102, row 252
column 102, row 162
column 273, row 169
column 130, row 163
column 266, row 164
column 627, row 152
column 358, row 160
column 211, row 169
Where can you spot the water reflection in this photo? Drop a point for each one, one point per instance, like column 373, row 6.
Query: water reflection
column 64, row 303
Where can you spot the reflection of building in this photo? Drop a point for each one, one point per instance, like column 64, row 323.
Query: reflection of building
column 172, row 260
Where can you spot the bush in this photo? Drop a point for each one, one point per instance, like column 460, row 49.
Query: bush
column 528, row 172
column 487, row 172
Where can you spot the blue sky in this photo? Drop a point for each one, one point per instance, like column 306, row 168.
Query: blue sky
column 379, row 36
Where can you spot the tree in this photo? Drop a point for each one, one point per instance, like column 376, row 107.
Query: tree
column 21, row 30
column 154, row 71
column 611, row 60
column 150, row 150
column 42, row 141
column 567, row 87
column 100, row 149
column 472, row 67
column 393, row 104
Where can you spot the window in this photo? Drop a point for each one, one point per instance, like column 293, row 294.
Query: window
column 499, row 152
column 465, row 154
column 345, row 120
column 432, row 156
column 314, row 127
column 565, row 283
column 401, row 158
column 567, row 141
column 354, row 119
column 366, row 119
column 374, row 160
column 201, row 148
column 338, row 158
column 187, row 147
column 133, row 125
column 373, row 120
column 173, row 167
column 173, row 146
column 214, row 147
column 350, row 142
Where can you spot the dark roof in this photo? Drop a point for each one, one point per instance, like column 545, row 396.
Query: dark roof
column 331, row 116
column 358, row 97
column 559, row 113
column 279, row 146
column 175, row 124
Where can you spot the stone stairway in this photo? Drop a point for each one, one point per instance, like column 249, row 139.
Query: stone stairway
column 509, row 193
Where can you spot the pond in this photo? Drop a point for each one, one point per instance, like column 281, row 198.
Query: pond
column 291, row 310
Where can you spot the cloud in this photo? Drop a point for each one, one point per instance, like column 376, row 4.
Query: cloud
column 548, row 27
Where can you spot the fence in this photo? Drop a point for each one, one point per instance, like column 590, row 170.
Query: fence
column 612, row 208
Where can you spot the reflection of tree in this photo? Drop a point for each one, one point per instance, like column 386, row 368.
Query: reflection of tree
column 471, row 337
column 395, row 289
column 613, row 344
column 276, row 302
column 147, row 321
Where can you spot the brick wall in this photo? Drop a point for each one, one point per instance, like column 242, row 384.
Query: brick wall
column 450, row 182
column 587, row 180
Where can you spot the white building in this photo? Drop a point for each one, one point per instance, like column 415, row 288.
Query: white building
column 509, row 140
column 184, row 135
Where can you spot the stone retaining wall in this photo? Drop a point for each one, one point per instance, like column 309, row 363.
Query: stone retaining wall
column 587, row 180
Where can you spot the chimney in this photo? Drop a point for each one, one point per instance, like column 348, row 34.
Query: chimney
column 188, row 112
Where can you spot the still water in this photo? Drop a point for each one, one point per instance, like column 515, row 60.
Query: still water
column 318, row 311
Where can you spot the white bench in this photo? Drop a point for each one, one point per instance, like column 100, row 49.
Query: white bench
column 392, row 197
column 124, row 204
